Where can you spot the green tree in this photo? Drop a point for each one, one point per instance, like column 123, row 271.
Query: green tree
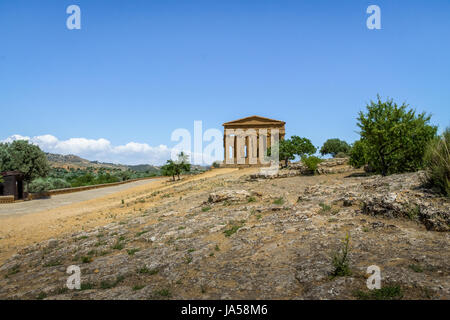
column 295, row 146
column 357, row 154
column 5, row 158
column 334, row 146
column 169, row 169
column 394, row 138
column 175, row 168
column 182, row 164
column 26, row 158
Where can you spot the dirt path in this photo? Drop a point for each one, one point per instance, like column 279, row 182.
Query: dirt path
column 24, row 229
column 56, row 201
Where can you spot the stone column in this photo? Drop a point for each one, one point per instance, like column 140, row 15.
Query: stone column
column 252, row 149
column 240, row 145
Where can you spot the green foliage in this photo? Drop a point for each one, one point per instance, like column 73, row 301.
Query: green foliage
column 340, row 259
column 416, row 268
column 25, row 157
column 163, row 293
column 357, row 154
column 278, row 201
column 216, row 164
column 334, row 146
column 437, row 164
column 233, row 229
column 39, row 185
column 394, row 138
column 390, row 292
column 175, row 168
column 46, row 184
column 312, row 163
column 324, row 207
column 341, row 155
column 295, row 146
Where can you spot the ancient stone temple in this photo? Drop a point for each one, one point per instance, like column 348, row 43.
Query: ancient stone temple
column 246, row 140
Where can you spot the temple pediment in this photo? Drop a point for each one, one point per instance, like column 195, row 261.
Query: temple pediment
column 254, row 121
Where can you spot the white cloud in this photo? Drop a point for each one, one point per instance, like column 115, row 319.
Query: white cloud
column 100, row 149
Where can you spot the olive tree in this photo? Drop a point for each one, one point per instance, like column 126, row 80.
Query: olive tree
column 25, row 157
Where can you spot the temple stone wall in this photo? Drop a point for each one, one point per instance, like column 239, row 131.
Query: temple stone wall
column 246, row 140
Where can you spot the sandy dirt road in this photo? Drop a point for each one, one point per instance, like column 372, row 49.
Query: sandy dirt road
column 56, row 201
column 86, row 210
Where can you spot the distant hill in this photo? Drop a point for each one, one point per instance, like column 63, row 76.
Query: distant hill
column 73, row 161
column 144, row 168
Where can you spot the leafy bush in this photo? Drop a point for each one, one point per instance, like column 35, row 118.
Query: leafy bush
column 340, row 259
column 341, row 155
column 437, row 163
column 59, row 184
column 39, row 185
column 311, row 162
column 46, row 184
column 334, row 146
column 216, row 164
column 357, row 154
column 394, row 138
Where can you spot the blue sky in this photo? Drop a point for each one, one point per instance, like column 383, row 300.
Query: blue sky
column 137, row 70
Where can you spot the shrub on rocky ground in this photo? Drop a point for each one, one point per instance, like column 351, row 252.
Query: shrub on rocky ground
column 437, row 163
column 340, row 259
column 312, row 163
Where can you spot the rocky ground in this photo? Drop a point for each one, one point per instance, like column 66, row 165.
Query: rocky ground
column 239, row 236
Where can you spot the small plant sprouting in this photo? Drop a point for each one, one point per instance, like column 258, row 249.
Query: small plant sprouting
column 233, row 229
column 138, row 234
column 340, row 259
column 138, row 287
column 86, row 259
column 131, row 252
column 389, row 292
column 413, row 212
column 279, row 201
column 416, row 268
column 146, row 270
column 324, row 207
column 163, row 293
column 118, row 245
column 205, row 209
